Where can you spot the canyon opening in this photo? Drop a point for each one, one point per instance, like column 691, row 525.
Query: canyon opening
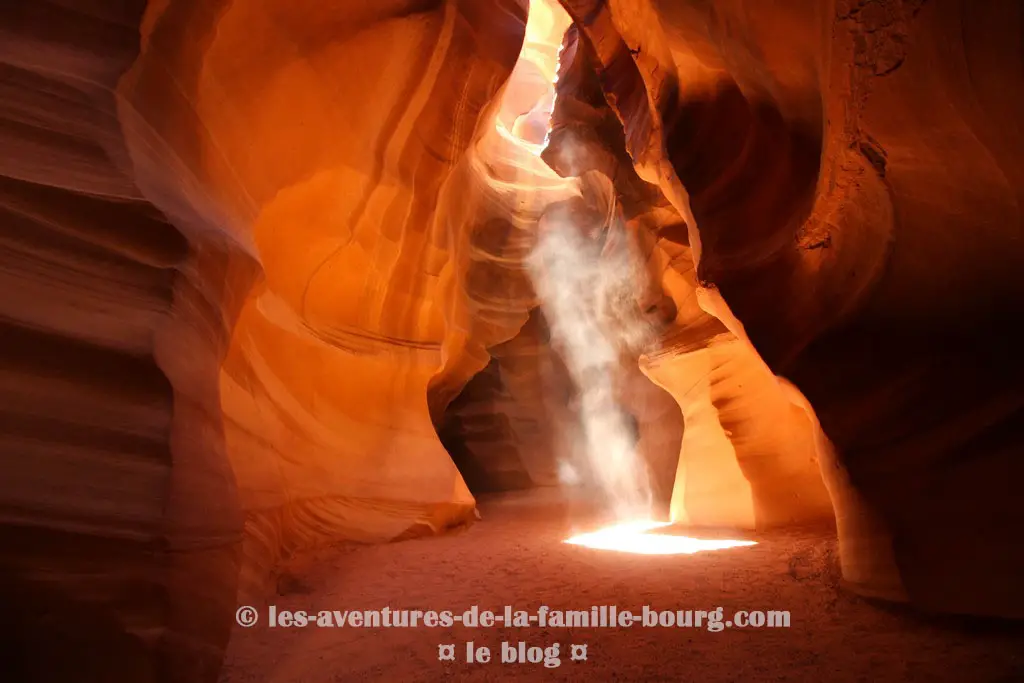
column 635, row 340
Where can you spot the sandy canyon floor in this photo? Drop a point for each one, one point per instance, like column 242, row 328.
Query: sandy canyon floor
column 516, row 556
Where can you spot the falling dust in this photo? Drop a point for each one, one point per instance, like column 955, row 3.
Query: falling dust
column 586, row 274
column 586, row 283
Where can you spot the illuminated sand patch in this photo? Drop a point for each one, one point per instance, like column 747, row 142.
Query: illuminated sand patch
column 634, row 537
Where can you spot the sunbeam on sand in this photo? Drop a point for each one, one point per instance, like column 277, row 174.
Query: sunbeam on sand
column 635, row 537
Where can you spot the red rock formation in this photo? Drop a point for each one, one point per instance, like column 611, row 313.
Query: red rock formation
column 747, row 456
column 281, row 343
column 118, row 510
column 509, row 425
column 852, row 190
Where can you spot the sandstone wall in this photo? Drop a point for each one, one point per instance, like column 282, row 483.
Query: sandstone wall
column 851, row 183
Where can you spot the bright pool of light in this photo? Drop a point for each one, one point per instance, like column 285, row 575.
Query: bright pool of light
column 635, row 537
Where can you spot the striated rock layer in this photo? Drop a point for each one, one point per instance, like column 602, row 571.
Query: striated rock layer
column 188, row 405
column 118, row 511
column 851, row 187
column 747, row 456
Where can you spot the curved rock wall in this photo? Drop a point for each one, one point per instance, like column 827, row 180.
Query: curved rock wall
column 852, row 189
column 329, row 167
column 217, row 377
column 120, row 528
column 747, row 457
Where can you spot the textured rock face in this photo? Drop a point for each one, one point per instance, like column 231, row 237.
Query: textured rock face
column 272, row 361
column 119, row 521
column 382, row 236
column 747, row 457
column 503, row 429
column 852, row 195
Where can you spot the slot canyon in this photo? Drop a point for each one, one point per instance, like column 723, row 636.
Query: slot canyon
column 450, row 305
